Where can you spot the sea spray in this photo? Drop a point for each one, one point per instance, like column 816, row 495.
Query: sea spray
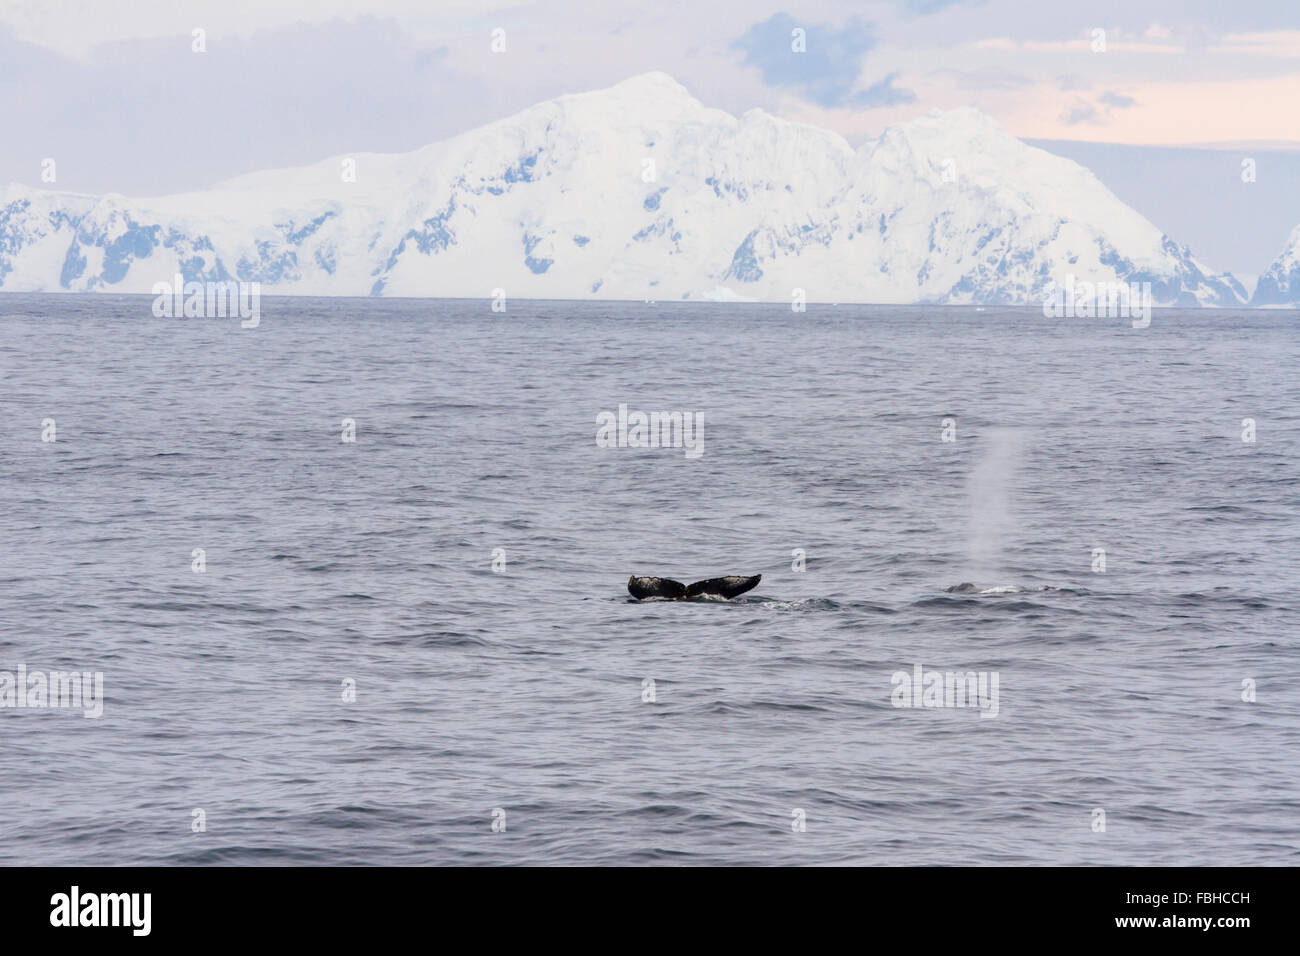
column 989, row 503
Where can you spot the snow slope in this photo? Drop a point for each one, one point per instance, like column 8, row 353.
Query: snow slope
column 637, row 191
column 1280, row 285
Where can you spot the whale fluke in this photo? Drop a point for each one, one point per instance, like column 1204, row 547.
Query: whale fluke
column 728, row 587
column 642, row 588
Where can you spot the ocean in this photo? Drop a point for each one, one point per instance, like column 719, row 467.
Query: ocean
column 417, row 646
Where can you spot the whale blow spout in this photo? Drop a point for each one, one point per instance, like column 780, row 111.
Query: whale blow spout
column 670, row 590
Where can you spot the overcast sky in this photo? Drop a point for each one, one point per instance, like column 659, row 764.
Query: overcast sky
column 113, row 91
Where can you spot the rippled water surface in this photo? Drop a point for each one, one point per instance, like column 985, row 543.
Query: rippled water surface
column 523, row 690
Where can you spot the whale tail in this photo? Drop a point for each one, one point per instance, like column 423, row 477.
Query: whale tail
column 642, row 588
column 728, row 587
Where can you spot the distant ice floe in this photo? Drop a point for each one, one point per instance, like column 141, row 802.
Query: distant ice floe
column 723, row 293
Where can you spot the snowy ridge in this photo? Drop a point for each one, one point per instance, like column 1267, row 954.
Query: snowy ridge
column 1280, row 285
column 560, row 201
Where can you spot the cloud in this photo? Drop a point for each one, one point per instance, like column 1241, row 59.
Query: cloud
column 921, row 8
column 431, row 57
column 76, row 28
column 169, row 119
column 1099, row 111
column 1119, row 101
column 883, row 93
column 827, row 69
column 986, row 78
column 1081, row 112
column 1279, row 43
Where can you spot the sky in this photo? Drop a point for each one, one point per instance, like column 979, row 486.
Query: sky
column 1165, row 98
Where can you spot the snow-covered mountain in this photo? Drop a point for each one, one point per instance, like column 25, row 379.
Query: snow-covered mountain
column 637, row 191
column 1280, row 285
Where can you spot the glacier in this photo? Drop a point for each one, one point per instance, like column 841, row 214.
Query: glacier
column 635, row 192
